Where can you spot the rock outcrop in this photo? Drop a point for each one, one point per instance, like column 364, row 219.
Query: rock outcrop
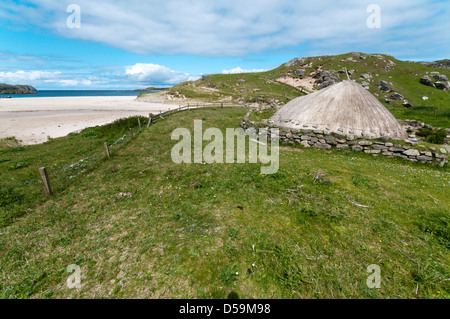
column 299, row 72
column 426, row 80
column 327, row 78
column 296, row 61
column 397, row 96
column 442, row 82
column 442, row 86
column 441, row 64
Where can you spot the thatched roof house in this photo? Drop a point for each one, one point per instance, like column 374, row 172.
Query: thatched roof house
column 346, row 108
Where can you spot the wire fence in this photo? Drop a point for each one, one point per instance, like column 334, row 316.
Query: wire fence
column 16, row 199
column 156, row 116
column 22, row 196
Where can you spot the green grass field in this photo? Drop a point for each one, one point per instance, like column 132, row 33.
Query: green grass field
column 222, row 230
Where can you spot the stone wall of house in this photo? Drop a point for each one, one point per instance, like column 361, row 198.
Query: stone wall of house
column 413, row 126
column 322, row 140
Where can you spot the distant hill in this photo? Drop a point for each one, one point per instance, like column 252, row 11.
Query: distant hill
column 410, row 90
column 441, row 64
column 16, row 89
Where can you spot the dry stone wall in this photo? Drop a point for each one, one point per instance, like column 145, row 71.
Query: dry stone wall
column 323, row 140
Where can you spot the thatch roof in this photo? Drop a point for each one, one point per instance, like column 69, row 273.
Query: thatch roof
column 345, row 108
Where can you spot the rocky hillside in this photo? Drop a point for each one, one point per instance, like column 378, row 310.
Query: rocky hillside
column 16, row 89
column 441, row 64
column 410, row 90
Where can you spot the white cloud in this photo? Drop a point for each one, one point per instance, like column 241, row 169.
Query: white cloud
column 240, row 70
column 70, row 83
column 26, row 77
column 156, row 74
column 133, row 76
column 65, row 82
column 230, row 28
column 38, row 78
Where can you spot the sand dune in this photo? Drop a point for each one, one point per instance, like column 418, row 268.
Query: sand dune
column 32, row 120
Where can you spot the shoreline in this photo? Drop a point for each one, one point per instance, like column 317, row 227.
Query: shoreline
column 32, row 120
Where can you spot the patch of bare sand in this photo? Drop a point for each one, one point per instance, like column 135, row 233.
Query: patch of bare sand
column 306, row 83
column 33, row 120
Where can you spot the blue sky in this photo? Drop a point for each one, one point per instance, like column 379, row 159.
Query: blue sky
column 128, row 44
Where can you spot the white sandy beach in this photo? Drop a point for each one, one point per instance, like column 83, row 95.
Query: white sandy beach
column 32, row 120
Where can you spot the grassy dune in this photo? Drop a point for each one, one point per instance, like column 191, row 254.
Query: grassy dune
column 139, row 225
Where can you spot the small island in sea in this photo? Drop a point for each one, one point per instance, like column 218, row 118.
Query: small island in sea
column 16, row 89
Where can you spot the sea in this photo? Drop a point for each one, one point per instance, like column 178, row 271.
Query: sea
column 62, row 93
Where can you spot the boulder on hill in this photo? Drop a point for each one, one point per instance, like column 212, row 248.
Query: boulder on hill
column 397, row 96
column 327, row 78
column 296, row 61
column 427, row 81
column 383, row 85
column 441, row 77
column 299, row 72
column 442, row 85
column 365, row 85
column 407, row 104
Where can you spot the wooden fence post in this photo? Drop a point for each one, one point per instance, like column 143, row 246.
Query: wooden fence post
column 108, row 154
column 149, row 119
column 45, row 181
column 131, row 133
column 221, row 105
column 139, row 122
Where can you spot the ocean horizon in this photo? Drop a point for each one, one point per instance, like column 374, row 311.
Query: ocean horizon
column 73, row 93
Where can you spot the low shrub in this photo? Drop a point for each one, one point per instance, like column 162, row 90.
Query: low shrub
column 434, row 136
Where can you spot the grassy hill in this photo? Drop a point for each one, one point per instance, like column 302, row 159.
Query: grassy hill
column 16, row 89
column 139, row 225
column 264, row 88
